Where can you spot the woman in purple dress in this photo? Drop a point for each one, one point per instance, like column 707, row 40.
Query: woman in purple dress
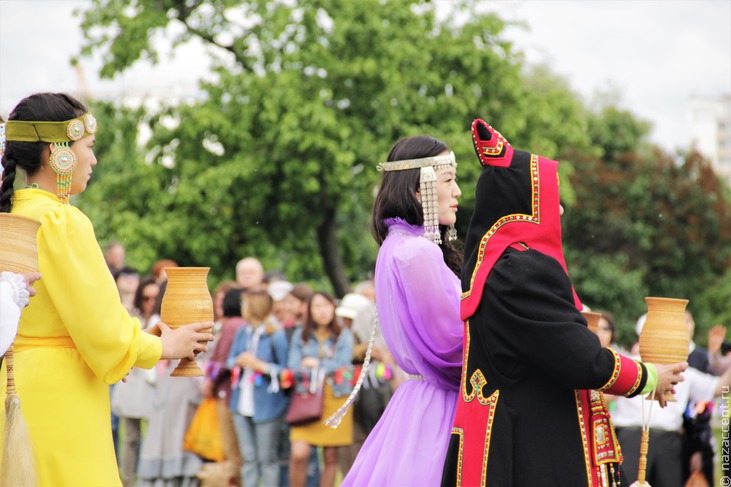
column 417, row 294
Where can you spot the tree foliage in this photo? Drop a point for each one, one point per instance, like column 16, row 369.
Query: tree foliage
column 661, row 224
column 307, row 98
column 276, row 158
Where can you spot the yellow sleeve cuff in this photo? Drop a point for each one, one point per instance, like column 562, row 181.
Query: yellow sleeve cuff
column 150, row 351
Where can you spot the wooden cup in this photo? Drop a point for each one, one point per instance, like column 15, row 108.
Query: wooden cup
column 18, row 247
column 186, row 300
column 592, row 320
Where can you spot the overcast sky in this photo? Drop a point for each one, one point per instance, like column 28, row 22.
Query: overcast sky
column 655, row 53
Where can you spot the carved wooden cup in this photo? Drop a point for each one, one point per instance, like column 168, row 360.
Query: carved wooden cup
column 187, row 300
column 665, row 338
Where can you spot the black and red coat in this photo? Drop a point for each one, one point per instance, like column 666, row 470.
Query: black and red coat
column 531, row 409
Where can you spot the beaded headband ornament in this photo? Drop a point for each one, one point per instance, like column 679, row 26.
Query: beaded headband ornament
column 66, row 131
column 427, row 189
column 60, row 134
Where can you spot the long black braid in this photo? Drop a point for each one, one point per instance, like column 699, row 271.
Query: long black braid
column 6, row 188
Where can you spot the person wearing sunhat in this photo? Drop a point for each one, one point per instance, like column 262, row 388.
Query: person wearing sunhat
column 279, row 290
column 351, row 307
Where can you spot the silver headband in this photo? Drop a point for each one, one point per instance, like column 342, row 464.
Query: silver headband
column 446, row 160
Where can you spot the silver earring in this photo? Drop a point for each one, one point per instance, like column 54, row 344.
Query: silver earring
column 451, row 233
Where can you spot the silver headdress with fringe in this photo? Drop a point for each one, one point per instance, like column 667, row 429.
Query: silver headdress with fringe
column 427, row 189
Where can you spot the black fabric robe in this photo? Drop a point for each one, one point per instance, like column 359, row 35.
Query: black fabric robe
column 533, row 346
column 531, row 410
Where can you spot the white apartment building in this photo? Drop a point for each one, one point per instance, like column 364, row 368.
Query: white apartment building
column 709, row 128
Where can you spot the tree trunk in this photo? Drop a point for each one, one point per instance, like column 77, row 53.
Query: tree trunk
column 328, row 243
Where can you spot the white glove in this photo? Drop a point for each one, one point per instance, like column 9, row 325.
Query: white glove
column 13, row 297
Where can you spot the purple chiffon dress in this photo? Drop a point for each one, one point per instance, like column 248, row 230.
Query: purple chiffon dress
column 418, row 307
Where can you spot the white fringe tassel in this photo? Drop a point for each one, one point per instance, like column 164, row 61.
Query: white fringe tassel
column 18, row 465
column 334, row 420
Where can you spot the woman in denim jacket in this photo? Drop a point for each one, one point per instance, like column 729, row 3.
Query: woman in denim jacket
column 322, row 345
column 258, row 404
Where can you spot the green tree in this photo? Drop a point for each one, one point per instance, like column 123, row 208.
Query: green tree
column 712, row 307
column 663, row 223
column 277, row 158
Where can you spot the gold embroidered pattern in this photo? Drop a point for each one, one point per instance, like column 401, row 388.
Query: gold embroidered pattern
column 596, row 401
column 534, row 217
column 465, row 355
column 478, row 381
column 637, row 382
column 605, row 445
column 618, row 447
column 620, row 458
column 460, row 432
column 488, row 432
column 492, row 151
column 615, row 372
column 495, row 151
column 584, row 439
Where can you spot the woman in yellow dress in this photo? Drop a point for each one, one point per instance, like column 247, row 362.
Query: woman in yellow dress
column 75, row 338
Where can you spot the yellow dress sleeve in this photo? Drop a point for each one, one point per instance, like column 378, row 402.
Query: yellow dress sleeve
column 85, row 296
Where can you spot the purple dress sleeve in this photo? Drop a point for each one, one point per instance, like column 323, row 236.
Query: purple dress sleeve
column 418, row 312
column 420, row 319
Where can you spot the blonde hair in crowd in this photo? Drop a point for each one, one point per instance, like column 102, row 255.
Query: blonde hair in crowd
column 258, row 306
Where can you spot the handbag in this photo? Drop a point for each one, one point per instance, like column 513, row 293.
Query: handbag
column 305, row 407
column 203, row 436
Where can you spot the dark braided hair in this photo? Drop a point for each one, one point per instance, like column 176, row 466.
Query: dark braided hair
column 41, row 107
column 397, row 195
